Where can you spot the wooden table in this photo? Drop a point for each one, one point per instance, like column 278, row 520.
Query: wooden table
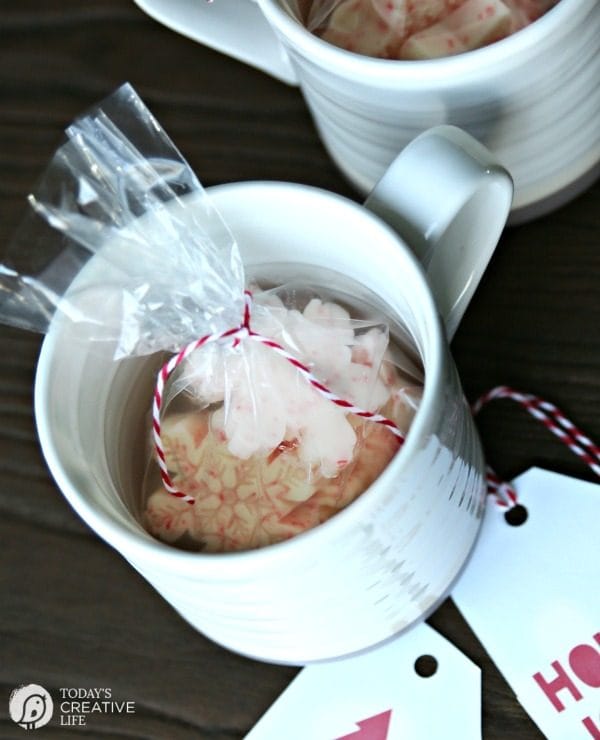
column 74, row 613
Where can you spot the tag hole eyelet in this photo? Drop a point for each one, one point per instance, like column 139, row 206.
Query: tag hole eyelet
column 426, row 666
column 516, row 515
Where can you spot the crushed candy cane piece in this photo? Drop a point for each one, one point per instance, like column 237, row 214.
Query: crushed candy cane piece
column 471, row 26
column 373, row 28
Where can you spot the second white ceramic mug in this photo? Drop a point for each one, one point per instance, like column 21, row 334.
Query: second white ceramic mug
column 391, row 556
column 533, row 98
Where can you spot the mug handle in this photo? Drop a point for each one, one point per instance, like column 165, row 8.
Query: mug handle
column 448, row 199
column 235, row 27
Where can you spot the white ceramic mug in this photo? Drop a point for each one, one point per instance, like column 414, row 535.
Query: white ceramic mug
column 533, row 98
column 391, row 556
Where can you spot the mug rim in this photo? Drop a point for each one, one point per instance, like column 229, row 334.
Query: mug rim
column 143, row 543
column 421, row 70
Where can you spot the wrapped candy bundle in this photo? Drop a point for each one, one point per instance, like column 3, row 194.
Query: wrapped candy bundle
column 281, row 404
column 270, row 457
column 419, row 29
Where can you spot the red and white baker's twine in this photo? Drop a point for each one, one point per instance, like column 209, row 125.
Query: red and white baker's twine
column 554, row 420
column 235, row 336
column 504, row 493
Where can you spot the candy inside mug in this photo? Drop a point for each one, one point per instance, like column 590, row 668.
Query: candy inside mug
column 254, row 451
column 416, row 29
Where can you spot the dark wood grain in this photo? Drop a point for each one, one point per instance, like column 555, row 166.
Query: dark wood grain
column 74, row 613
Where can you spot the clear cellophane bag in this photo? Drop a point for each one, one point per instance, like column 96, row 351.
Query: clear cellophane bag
column 249, row 450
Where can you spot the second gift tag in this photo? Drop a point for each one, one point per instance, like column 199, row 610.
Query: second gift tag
column 531, row 593
column 415, row 687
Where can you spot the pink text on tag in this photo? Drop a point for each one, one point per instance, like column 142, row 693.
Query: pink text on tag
column 584, row 662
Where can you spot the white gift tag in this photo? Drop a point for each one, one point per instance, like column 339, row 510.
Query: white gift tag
column 531, row 593
column 380, row 695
